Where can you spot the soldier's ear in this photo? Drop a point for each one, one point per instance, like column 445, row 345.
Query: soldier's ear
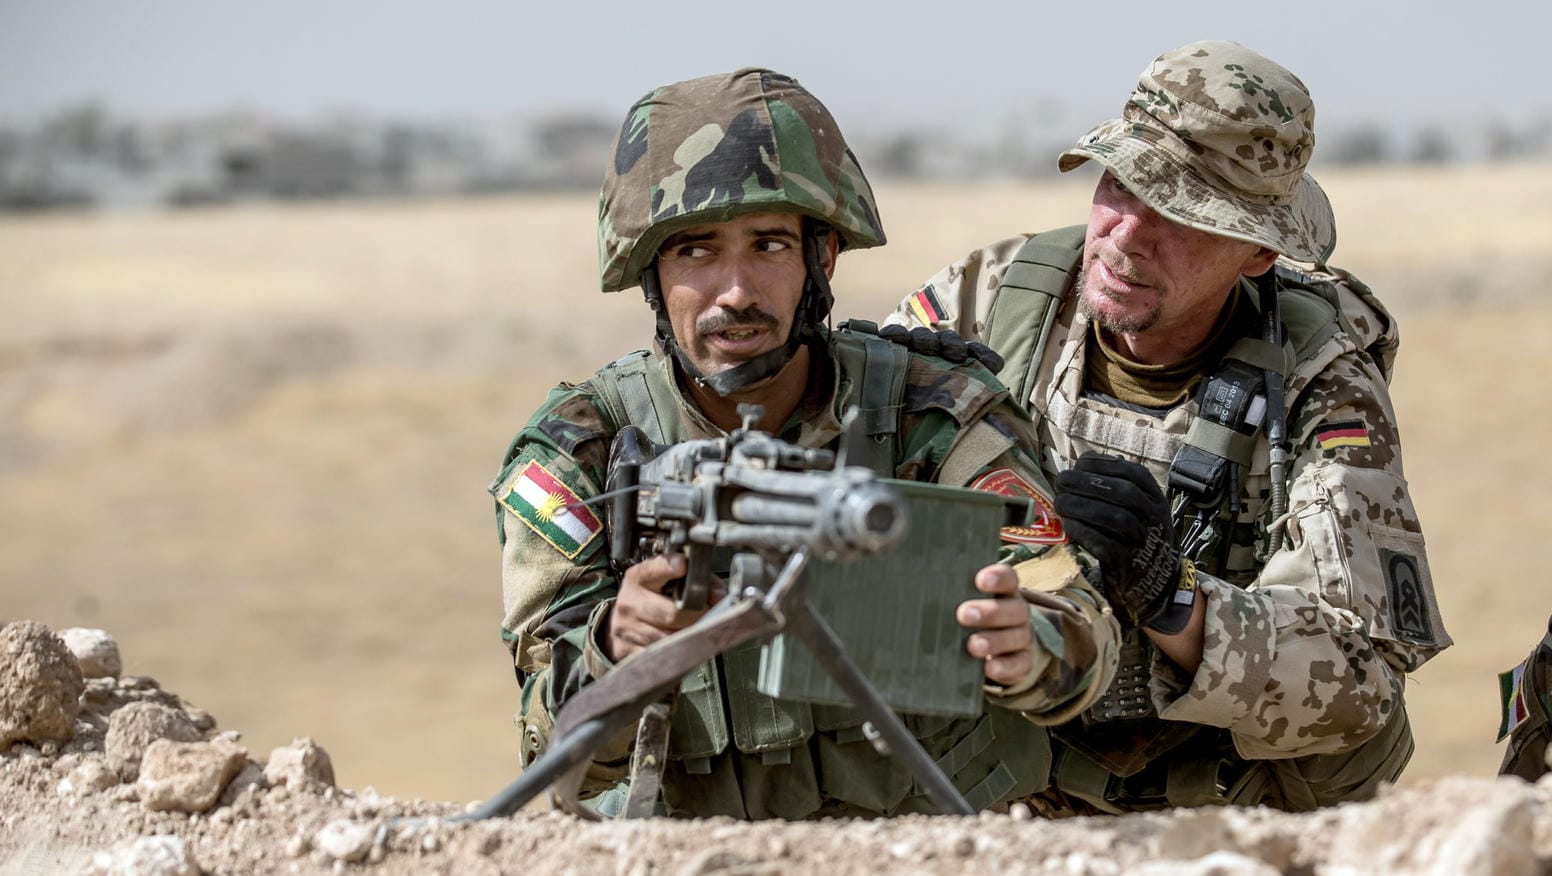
column 1259, row 262
column 832, row 249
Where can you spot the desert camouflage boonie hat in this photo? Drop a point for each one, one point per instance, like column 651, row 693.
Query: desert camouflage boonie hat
column 711, row 149
column 1216, row 137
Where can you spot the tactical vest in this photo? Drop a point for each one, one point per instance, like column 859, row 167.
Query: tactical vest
column 1208, row 451
column 797, row 759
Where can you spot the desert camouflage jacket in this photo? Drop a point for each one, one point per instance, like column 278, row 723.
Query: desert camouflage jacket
column 1305, row 650
column 956, row 427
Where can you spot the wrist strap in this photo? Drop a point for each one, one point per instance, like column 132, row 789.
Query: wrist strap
column 1177, row 613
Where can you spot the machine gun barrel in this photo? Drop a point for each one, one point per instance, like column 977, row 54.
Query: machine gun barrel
column 843, row 521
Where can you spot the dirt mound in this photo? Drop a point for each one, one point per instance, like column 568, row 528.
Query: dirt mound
column 145, row 784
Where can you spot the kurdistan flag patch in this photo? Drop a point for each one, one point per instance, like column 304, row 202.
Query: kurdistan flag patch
column 549, row 507
column 1511, row 700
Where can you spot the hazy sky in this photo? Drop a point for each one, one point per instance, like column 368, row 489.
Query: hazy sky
column 960, row 63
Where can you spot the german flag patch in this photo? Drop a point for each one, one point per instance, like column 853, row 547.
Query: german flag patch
column 925, row 306
column 1348, row 433
column 1045, row 528
column 547, row 506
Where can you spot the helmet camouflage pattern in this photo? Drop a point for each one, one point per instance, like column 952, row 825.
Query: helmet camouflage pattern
column 708, row 150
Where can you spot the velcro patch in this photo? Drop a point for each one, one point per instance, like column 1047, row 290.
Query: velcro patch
column 925, row 306
column 547, row 506
column 1348, row 433
column 1511, row 700
column 1045, row 528
column 1409, row 614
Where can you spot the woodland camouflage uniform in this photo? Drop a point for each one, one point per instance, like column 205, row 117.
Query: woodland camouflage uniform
column 1300, row 689
column 706, row 151
column 1526, row 691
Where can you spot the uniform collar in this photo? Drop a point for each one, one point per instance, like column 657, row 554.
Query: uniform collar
column 815, row 422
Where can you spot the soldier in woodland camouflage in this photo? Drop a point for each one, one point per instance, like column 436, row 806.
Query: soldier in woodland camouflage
column 1276, row 598
column 1526, row 694
column 728, row 199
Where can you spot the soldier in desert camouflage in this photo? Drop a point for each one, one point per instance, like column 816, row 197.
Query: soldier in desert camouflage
column 1272, row 567
column 728, row 200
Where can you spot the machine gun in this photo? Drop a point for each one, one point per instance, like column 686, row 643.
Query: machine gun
column 776, row 507
column 750, row 493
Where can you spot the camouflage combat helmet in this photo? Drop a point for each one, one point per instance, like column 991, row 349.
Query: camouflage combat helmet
column 711, row 149
column 1217, row 137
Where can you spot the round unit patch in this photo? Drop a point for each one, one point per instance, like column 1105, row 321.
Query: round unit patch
column 1045, row 528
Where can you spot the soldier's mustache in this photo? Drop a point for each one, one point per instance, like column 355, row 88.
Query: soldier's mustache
column 1122, row 267
column 726, row 320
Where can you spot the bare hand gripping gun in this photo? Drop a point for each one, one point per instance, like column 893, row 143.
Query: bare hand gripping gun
column 776, row 506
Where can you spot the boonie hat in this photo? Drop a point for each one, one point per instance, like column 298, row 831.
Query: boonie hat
column 1216, row 137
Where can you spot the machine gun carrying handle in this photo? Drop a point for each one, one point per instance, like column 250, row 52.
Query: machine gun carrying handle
column 693, row 591
column 630, row 449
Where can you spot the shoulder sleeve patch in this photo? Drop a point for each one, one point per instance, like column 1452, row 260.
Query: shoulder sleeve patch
column 551, row 508
column 1045, row 528
column 1408, row 603
column 1348, row 433
column 1511, row 700
column 926, row 307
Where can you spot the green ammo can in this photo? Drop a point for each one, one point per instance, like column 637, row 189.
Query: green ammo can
column 895, row 612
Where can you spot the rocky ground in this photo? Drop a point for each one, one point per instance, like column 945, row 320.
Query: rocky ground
column 106, row 773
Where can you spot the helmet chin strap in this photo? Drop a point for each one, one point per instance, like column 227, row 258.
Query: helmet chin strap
column 813, row 307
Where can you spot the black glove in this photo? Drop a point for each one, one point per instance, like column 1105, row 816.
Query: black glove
column 946, row 344
column 1113, row 509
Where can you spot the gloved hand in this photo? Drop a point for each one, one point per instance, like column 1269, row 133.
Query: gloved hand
column 946, row 344
column 1113, row 509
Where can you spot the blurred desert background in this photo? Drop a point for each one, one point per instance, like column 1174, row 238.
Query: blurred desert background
column 253, row 441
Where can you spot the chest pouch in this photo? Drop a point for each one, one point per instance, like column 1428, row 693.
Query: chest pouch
column 1206, row 475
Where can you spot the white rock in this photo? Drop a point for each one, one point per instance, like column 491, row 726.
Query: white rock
column 133, row 728
column 187, row 776
column 95, row 650
column 344, row 840
column 302, row 766
column 147, row 856
column 1213, row 864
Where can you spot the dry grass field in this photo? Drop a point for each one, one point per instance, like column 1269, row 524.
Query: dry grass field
column 253, row 442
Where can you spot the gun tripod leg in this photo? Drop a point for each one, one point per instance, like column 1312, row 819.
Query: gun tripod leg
column 811, row 629
column 648, row 760
column 571, row 753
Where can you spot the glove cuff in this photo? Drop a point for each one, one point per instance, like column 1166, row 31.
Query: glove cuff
column 1177, row 612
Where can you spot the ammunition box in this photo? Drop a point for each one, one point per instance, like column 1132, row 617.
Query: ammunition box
column 894, row 613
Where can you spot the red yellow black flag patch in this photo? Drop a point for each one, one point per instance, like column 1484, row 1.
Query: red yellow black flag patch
column 925, row 306
column 1348, row 433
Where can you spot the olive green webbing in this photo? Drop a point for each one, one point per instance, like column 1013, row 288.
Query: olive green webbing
column 1030, row 293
